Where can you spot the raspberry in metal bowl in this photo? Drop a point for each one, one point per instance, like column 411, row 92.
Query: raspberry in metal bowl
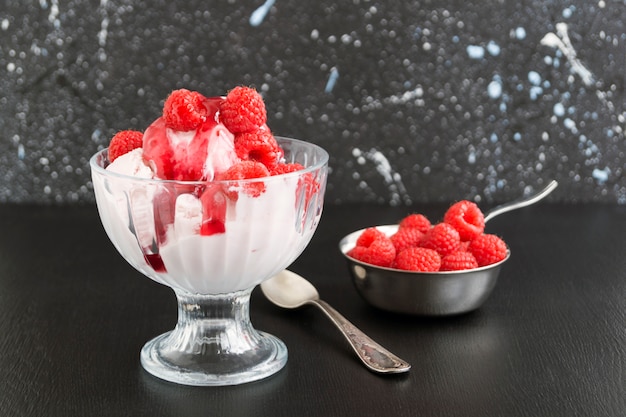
column 444, row 269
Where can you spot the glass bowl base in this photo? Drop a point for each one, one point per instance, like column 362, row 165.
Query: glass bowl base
column 211, row 367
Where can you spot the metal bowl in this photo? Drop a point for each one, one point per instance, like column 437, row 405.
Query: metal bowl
column 420, row 293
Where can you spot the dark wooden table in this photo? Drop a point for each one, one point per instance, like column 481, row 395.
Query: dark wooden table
column 550, row 341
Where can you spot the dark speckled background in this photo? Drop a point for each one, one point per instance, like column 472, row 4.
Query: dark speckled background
column 416, row 101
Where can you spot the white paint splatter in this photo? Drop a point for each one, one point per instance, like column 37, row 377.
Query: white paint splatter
column 102, row 34
column 562, row 41
column 475, row 51
column 407, row 96
column 567, row 13
column 414, row 96
column 471, row 157
column 558, row 110
column 534, row 77
column 520, row 33
column 53, row 16
column 494, row 89
column 493, row 48
column 332, row 80
column 392, row 179
column 570, row 124
column 601, row 175
column 535, row 92
column 257, row 17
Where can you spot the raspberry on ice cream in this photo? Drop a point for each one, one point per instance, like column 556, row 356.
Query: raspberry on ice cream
column 186, row 110
column 192, row 155
column 259, row 145
column 243, row 110
column 198, row 138
column 124, row 142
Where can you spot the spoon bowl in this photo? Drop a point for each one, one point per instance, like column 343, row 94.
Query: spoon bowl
column 429, row 293
column 289, row 290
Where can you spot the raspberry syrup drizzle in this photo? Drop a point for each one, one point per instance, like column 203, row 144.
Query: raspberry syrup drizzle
column 163, row 203
column 155, row 262
column 180, row 155
column 214, row 203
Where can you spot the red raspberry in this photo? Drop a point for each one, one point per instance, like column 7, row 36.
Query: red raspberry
column 443, row 238
column 464, row 246
column 124, row 142
column 458, row 261
column 260, row 146
column 380, row 252
column 466, row 218
column 247, row 170
column 368, row 236
column 185, row 110
column 286, row 168
column 488, row 249
column 406, row 237
column 418, row 259
column 243, row 110
column 419, row 221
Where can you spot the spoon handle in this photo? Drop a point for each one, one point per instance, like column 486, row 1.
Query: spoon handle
column 522, row 202
column 373, row 355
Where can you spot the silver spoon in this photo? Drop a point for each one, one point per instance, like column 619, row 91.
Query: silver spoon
column 289, row 290
column 522, row 202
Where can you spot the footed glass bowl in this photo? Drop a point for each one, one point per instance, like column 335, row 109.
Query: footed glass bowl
column 212, row 242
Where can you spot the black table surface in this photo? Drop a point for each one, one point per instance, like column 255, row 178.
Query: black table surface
column 550, row 341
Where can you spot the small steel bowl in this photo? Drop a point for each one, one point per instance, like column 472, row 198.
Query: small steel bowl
column 420, row 293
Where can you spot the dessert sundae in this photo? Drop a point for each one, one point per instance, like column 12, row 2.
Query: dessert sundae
column 210, row 203
column 209, row 216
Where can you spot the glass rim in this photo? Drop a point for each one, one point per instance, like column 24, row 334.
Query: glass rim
column 323, row 161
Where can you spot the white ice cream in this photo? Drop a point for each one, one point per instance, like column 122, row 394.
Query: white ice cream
column 261, row 239
column 263, row 235
column 132, row 164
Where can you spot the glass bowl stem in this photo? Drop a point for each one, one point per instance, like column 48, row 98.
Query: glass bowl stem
column 213, row 343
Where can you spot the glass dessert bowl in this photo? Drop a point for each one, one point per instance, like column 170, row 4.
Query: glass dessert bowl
column 213, row 242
